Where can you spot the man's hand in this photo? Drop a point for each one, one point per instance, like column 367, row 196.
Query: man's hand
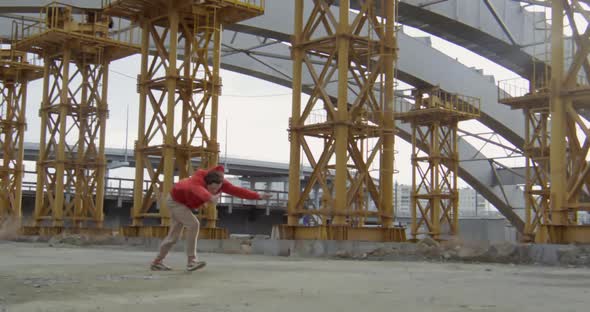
column 214, row 198
column 265, row 196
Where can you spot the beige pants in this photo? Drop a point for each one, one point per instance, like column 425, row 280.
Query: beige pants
column 180, row 216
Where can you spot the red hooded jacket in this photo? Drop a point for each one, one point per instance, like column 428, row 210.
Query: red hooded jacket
column 192, row 192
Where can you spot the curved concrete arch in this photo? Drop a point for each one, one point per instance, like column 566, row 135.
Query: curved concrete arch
column 475, row 169
column 472, row 25
column 272, row 63
column 418, row 64
column 453, row 20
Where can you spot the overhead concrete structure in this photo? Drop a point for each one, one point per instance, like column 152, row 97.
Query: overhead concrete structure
column 453, row 20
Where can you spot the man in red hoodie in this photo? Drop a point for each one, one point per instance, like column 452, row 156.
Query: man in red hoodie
column 187, row 196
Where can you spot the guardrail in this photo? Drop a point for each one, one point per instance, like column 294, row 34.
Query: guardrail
column 253, row 4
column 439, row 99
column 122, row 189
column 67, row 18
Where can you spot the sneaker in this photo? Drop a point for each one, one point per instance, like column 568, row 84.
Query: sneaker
column 159, row 266
column 195, row 265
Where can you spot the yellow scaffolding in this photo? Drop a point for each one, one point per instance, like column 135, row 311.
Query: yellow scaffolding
column 15, row 74
column 558, row 139
column 179, row 98
column 434, row 199
column 533, row 99
column 356, row 129
column 76, row 49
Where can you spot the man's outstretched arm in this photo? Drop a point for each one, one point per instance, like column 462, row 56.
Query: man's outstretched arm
column 241, row 192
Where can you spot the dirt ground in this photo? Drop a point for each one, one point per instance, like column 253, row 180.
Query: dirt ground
column 36, row 277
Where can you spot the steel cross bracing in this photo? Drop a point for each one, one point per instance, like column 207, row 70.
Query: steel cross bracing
column 359, row 53
column 76, row 54
column 173, row 90
column 434, row 117
column 272, row 63
column 570, row 134
column 15, row 74
column 538, row 187
column 234, row 63
column 453, row 20
column 558, row 139
column 376, row 42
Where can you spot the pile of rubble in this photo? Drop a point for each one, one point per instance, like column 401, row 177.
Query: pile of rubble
column 485, row 252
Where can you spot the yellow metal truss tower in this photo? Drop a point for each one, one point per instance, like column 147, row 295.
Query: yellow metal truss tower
column 76, row 50
column 434, row 200
column 354, row 131
column 15, row 74
column 179, row 98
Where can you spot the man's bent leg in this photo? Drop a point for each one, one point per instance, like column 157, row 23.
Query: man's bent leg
column 171, row 238
column 173, row 233
column 191, row 223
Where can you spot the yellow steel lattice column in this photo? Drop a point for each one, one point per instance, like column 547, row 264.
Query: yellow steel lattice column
column 15, row 73
column 434, row 199
column 570, row 135
column 537, row 187
column 179, row 97
column 356, row 128
column 558, row 121
column 294, row 135
column 387, row 156
column 71, row 167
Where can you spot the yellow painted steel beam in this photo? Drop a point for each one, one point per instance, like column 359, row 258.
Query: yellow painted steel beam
column 49, row 231
column 140, row 143
column 387, row 156
column 558, row 118
column 335, row 232
column 537, row 187
column 162, row 231
column 340, row 128
column 294, row 136
column 214, row 93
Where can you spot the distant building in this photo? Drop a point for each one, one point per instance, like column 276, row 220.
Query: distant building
column 471, row 203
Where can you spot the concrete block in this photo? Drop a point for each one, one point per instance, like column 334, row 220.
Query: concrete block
column 307, row 248
column 338, row 248
column 233, row 246
column 544, row 254
column 210, row 245
column 271, row 247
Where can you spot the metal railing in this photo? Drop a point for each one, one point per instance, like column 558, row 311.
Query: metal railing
column 11, row 55
column 251, row 4
column 513, row 88
column 67, row 18
column 122, row 189
column 439, row 99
